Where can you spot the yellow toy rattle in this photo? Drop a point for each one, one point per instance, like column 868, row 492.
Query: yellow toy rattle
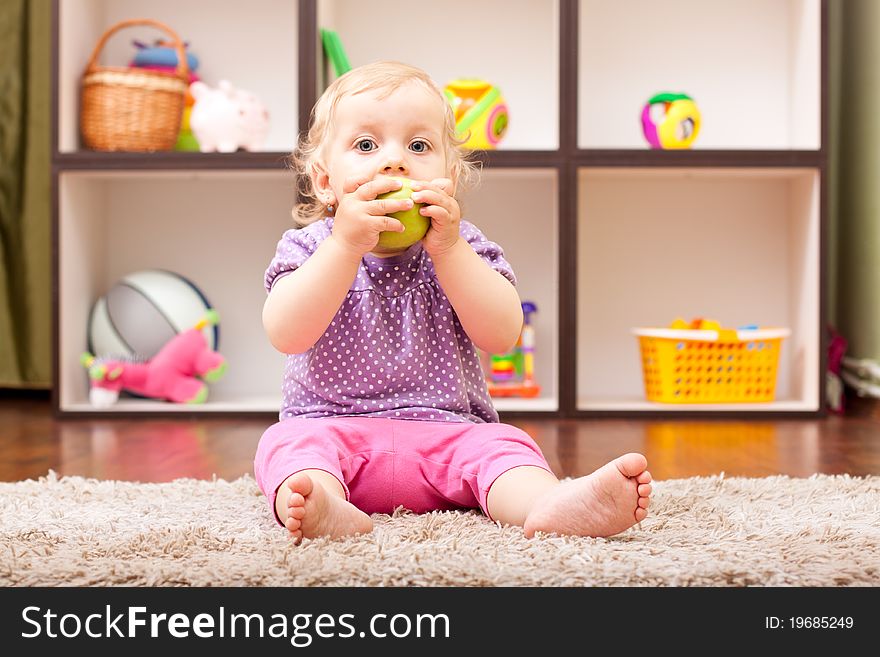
column 480, row 112
column 679, row 125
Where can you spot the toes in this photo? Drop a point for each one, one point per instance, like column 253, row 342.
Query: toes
column 641, row 514
column 302, row 484
column 296, row 500
column 296, row 535
column 645, row 490
column 292, row 524
column 644, row 478
column 632, row 464
column 644, row 502
column 298, row 512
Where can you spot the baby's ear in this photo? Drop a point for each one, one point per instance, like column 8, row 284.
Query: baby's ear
column 321, row 183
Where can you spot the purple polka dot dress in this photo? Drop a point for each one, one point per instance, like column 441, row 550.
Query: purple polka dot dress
column 395, row 348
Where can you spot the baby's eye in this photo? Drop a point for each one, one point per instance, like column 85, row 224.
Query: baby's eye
column 419, row 146
column 365, row 145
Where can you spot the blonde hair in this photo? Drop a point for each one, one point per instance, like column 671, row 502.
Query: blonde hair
column 383, row 76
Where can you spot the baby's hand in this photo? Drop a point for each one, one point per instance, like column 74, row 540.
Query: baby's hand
column 360, row 216
column 444, row 212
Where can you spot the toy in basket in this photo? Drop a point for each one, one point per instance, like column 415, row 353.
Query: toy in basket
column 701, row 362
column 133, row 108
column 513, row 374
column 162, row 57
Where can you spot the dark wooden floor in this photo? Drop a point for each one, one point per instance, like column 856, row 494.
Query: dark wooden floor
column 32, row 442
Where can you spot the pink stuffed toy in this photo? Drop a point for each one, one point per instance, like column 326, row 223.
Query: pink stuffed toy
column 177, row 373
column 226, row 118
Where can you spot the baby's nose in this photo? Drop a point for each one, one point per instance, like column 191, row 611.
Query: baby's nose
column 394, row 167
column 395, row 162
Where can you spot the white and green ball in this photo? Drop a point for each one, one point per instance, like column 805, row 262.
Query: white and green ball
column 143, row 311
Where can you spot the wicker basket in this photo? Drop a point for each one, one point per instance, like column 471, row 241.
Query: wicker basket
column 132, row 109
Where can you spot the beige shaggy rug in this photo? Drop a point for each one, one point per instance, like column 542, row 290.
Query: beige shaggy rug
column 712, row 531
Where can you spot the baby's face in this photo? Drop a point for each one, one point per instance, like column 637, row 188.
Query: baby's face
column 400, row 135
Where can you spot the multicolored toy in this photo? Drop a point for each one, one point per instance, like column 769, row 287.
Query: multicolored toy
column 177, row 373
column 671, row 121
column 480, row 112
column 162, row 56
column 513, row 374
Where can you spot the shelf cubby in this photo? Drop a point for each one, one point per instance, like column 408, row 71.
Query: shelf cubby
column 740, row 246
column 753, row 67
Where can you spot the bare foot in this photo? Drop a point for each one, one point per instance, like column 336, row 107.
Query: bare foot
column 313, row 512
column 603, row 503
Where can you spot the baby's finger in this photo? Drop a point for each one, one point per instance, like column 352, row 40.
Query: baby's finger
column 353, row 183
column 431, row 197
column 370, row 190
column 388, row 223
column 381, row 206
column 444, row 184
column 417, row 185
column 436, row 212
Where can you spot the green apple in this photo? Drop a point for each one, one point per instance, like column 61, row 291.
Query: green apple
column 416, row 225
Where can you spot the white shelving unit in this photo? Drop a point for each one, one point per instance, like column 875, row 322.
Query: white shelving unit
column 603, row 233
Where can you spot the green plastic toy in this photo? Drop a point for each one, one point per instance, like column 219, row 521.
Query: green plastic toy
column 335, row 52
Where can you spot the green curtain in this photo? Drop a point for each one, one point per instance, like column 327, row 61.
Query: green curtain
column 25, row 272
column 854, row 199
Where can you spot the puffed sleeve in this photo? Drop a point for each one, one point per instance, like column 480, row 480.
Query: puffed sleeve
column 489, row 251
column 294, row 248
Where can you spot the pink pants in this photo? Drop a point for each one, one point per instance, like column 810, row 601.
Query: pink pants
column 384, row 463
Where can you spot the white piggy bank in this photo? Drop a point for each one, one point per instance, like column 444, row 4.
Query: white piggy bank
column 226, row 119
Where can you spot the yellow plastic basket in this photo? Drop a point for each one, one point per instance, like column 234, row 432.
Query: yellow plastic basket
column 690, row 366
